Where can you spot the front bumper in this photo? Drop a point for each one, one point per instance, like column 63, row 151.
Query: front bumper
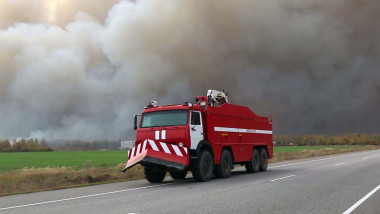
column 164, row 154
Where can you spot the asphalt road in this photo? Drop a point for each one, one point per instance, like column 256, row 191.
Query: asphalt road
column 333, row 184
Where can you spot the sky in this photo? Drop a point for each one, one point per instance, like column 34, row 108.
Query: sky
column 81, row 69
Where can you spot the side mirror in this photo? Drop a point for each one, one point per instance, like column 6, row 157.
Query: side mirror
column 135, row 122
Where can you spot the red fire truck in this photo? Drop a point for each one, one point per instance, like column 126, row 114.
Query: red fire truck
column 205, row 138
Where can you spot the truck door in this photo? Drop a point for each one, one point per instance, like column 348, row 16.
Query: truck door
column 196, row 129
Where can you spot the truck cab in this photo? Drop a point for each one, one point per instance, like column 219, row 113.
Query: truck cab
column 180, row 125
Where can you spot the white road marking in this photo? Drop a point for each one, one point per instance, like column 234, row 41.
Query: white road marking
column 88, row 196
column 338, row 164
column 361, row 200
column 364, row 158
column 283, row 178
column 311, row 161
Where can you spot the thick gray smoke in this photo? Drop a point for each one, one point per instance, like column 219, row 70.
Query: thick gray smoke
column 72, row 70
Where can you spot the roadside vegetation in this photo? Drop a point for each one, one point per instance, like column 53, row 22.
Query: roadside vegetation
column 41, row 179
column 324, row 140
column 300, row 152
column 22, row 145
column 22, row 172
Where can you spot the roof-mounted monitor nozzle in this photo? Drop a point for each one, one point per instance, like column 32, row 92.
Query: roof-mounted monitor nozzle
column 216, row 98
column 152, row 104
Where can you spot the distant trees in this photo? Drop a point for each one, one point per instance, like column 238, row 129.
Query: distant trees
column 38, row 145
column 78, row 145
column 5, row 145
column 41, row 145
column 22, row 145
column 314, row 140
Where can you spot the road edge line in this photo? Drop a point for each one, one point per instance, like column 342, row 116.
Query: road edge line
column 353, row 207
column 86, row 196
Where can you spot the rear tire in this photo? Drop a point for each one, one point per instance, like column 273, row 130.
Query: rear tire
column 154, row 174
column 223, row 170
column 178, row 175
column 253, row 166
column 203, row 167
column 263, row 160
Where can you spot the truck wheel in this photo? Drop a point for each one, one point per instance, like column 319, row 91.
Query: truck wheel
column 154, row 174
column 263, row 160
column 203, row 166
column 223, row 170
column 253, row 166
column 178, row 175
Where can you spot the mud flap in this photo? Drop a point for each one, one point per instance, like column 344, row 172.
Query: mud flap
column 150, row 152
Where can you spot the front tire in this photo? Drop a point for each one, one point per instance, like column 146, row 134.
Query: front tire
column 223, row 170
column 154, row 174
column 203, row 167
column 253, row 166
column 178, row 175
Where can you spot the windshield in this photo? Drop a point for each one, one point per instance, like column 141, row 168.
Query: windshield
column 164, row 118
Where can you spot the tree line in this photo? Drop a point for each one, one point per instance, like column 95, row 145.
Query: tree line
column 316, row 140
column 80, row 145
column 35, row 145
column 23, row 145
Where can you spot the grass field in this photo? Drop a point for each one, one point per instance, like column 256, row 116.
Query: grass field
column 75, row 159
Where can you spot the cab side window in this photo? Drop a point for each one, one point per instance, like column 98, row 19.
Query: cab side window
column 195, row 118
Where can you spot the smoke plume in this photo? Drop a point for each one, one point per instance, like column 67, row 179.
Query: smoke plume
column 81, row 69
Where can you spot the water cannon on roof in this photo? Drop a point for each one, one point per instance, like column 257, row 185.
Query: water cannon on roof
column 216, row 98
column 152, row 104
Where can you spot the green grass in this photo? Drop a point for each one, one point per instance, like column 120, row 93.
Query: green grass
column 278, row 149
column 75, row 159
